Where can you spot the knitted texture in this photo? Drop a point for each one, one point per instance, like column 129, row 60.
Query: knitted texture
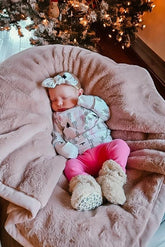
column 111, row 179
column 86, row 193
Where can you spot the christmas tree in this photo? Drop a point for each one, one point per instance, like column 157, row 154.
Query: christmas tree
column 75, row 22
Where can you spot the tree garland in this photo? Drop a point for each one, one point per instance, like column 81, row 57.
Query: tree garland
column 74, row 22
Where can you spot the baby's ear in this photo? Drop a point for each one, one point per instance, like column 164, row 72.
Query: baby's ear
column 81, row 91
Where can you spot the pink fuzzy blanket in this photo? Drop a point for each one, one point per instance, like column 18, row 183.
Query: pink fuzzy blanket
column 31, row 174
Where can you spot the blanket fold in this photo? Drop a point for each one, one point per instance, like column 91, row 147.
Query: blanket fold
column 31, row 173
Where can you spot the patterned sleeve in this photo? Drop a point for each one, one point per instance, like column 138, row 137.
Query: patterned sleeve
column 66, row 149
column 57, row 135
column 96, row 104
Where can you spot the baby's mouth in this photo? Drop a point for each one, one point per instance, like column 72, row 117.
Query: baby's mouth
column 62, row 109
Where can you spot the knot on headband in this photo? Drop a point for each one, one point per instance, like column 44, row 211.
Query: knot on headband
column 65, row 78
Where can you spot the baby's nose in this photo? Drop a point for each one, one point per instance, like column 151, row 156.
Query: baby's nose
column 60, row 102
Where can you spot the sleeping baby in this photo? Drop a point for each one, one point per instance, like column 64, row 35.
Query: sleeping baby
column 95, row 166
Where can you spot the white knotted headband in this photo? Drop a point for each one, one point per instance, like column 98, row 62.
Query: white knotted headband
column 64, row 78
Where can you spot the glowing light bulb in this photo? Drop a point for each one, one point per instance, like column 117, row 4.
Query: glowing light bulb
column 45, row 22
column 119, row 39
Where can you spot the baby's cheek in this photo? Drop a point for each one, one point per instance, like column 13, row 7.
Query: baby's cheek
column 74, row 101
column 53, row 105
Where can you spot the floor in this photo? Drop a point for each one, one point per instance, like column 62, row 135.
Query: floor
column 11, row 43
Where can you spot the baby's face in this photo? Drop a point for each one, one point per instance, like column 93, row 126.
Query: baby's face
column 63, row 97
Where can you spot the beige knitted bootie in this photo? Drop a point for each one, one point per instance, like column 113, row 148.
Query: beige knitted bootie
column 86, row 193
column 111, row 179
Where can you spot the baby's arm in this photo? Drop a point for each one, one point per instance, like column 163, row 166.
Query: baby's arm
column 66, row 149
column 96, row 104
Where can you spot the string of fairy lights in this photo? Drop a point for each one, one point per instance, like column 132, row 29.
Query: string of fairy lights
column 75, row 22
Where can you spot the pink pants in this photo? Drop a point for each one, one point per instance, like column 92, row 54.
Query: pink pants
column 91, row 161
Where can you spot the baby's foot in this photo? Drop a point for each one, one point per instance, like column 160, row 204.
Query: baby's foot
column 86, row 193
column 90, row 202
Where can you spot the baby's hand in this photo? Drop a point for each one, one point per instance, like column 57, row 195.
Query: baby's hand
column 67, row 150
